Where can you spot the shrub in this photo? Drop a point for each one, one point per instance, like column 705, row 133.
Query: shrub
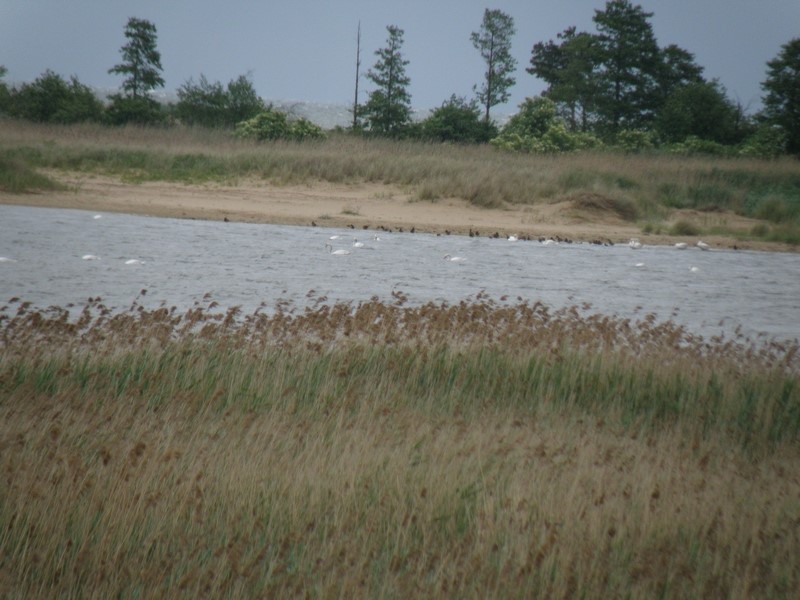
column 684, row 227
column 634, row 140
column 273, row 124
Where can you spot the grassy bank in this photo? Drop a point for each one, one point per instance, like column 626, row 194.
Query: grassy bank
column 644, row 189
column 382, row 450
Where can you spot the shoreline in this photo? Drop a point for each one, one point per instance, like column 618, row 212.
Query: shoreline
column 368, row 207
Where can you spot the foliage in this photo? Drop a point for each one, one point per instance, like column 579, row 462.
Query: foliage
column 51, row 99
column 537, row 129
column 134, row 110
column 782, row 102
column 5, row 96
column 568, row 69
column 693, row 145
column 141, row 60
column 634, row 140
column 212, row 105
column 767, row 141
column 629, row 63
column 700, row 110
column 271, row 124
column 388, row 107
column 457, row 120
column 493, row 41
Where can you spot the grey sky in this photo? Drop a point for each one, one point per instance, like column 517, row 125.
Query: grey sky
column 305, row 49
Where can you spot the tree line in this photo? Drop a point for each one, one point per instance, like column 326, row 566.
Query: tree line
column 614, row 86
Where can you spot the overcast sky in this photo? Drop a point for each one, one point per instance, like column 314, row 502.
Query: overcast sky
column 305, row 49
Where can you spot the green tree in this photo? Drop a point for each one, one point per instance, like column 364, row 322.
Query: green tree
column 493, row 41
column 212, row 105
column 568, row 69
column 701, row 110
column 782, row 86
column 388, row 108
column 142, row 66
column 141, row 60
column 5, row 96
column 457, row 120
column 629, row 64
column 678, row 68
column 51, row 99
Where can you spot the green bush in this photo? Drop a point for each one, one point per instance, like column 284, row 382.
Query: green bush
column 634, row 140
column 273, row 124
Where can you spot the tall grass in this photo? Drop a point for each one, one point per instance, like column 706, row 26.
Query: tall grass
column 641, row 186
column 476, row 450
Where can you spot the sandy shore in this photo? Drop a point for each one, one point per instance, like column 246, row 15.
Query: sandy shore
column 363, row 206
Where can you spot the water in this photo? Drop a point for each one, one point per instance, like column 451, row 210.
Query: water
column 250, row 264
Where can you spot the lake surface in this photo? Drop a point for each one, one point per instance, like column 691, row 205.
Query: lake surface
column 249, row 264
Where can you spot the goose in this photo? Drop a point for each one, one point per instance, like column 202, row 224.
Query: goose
column 90, row 257
column 450, row 258
column 338, row 252
column 635, row 244
column 702, row 245
column 681, row 246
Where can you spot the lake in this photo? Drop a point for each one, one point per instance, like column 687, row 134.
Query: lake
column 179, row 261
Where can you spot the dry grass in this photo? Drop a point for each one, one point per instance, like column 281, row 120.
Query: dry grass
column 644, row 187
column 477, row 450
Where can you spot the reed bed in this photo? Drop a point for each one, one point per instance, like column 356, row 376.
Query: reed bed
column 642, row 188
column 484, row 449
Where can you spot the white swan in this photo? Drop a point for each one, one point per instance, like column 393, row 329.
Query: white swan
column 6, row 259
column 357, row 244
column 456, row 259
column 695, row 270
column 681, row 246
column 376, row 237
column 335, row 237
column 97, row 217
column 338, row 252
column 549, row 242
column 90, row 257
column 513, row 238
column 702, row 245
column 635, row 244
column 134, row 261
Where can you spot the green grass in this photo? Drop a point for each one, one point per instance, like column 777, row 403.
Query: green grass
column 383, row 450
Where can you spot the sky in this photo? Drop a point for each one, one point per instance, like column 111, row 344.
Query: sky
column 305, row 50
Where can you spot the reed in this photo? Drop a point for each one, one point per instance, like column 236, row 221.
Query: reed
column 485, row 449
column 636, row 187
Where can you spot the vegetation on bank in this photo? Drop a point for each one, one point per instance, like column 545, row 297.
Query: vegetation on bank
column 375, row 450
column 643, row 188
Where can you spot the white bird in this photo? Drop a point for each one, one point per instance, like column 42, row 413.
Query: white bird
column 513, row 238
column 338, row 252
column 681, row 245
column 335, row 237
column 97, row 217
column 376, row 237
column 6, row 259
column 90, row 257
column 134, row 261
column 357, row 244
column 694, row 270
column 450, row 258
column 635, row 244
column 549, row 242
column 640, row 264
column 702, row 245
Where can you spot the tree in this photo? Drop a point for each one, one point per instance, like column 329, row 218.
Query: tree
column 568, row 68
column 142, row 61
column 678, row 68
column 142, row 65
column 358, row 76
column 493, row 41
column 698, row 109
column 388, row 108
column 457, row 120
column 629, row 65
column 212, row 105
column 5, row 96
column 51, row 99
column 782, row 102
